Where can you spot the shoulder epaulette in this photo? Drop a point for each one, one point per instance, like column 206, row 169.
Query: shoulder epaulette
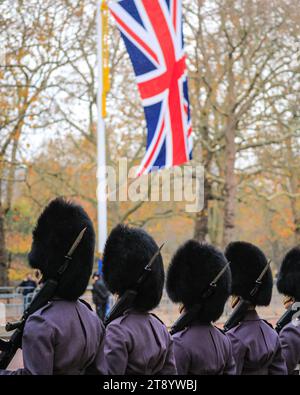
column 268, row 323
column 44, row 308
column 220, row 329
column 122, row 317
column 86, row 304
column 154, row 315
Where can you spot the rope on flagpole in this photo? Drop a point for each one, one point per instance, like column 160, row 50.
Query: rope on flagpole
column 105, row 56
column 101, row 112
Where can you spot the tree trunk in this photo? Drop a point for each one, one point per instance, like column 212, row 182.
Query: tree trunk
column 11, row 172
column 3, row 253
column 204, row 157
column 215, row 223
column 230, row 154
column 296, row 219
column 293, row 188
column 297, row 230
column 201, row 219
column 230, row 185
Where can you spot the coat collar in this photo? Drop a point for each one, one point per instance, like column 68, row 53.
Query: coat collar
column 251, row 315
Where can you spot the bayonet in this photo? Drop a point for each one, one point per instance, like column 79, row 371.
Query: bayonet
column 258, row 282
column 70, row 253
column 219, row 275
column 75, row 244
column 149, row 265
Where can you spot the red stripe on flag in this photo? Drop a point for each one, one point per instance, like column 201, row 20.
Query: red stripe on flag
column 153, row 149
column 179, row 146
column 159, row 84
column 175, row 15
column 161, row 29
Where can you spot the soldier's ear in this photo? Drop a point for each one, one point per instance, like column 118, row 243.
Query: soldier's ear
column 37, row 275
column 288, row 301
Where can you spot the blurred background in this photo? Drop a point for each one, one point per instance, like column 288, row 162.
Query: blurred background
column 244, row 68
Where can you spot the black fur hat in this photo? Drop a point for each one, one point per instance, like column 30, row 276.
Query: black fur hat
column 247, row 262
column 127, row 251
column 192, row 268
column 55, row 232
column 288, row 282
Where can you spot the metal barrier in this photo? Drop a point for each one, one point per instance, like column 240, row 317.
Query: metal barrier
column 12, row 304
column 13, row 301
column 169, row 312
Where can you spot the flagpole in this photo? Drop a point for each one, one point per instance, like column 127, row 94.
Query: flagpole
column 101, row 147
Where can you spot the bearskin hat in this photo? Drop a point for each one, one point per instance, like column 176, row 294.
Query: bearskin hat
column 193, row 267
column 247, row 262
column 288, row 282
column 55, row 232
column 127, row 251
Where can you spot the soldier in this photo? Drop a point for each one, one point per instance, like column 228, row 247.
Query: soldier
column 288, row 283
column 65, row 336
column 256, row 346
column 137, row 342
column 100, row 295
column 200, row 348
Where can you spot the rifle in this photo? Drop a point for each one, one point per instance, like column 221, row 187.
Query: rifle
column 192, row 314
column 47, row 292
column 286, row 318
column 126, row 300
column 243, row 305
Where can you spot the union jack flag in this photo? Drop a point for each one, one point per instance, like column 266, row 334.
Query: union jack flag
column 152, row 32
